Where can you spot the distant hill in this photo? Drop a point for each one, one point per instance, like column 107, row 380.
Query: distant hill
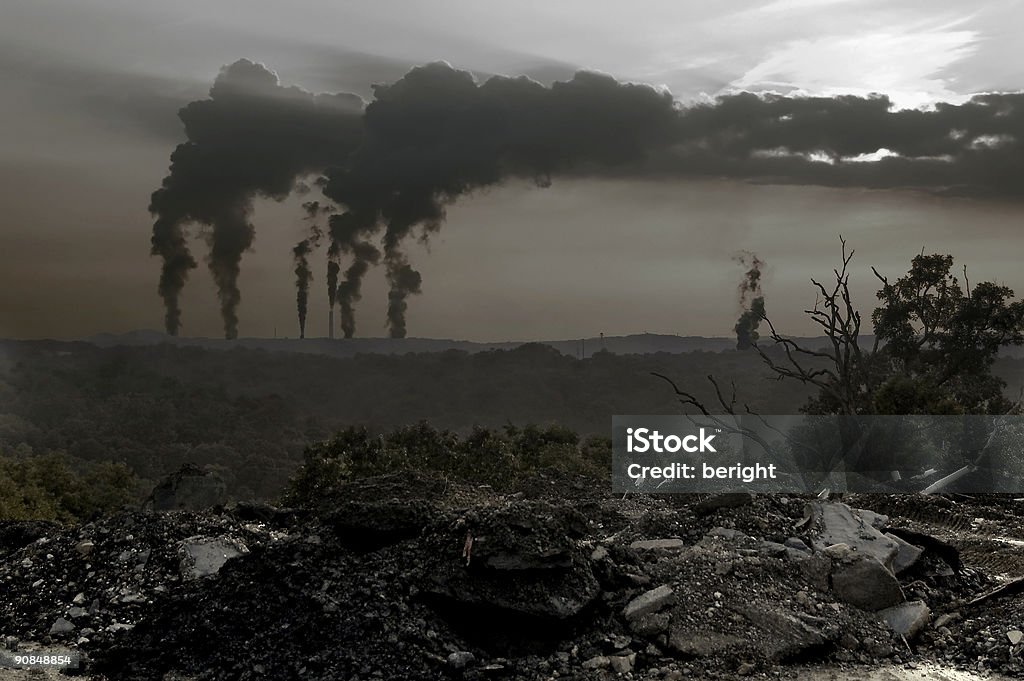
column 635, row 344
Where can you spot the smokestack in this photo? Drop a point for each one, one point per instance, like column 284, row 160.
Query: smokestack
column 330, row 324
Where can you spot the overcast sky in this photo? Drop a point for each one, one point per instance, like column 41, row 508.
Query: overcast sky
column 89, row 92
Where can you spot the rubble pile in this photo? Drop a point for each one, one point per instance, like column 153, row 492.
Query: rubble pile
column 416, row 578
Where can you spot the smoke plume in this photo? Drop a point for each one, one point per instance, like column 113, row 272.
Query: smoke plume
column 252, row 137
column 751, row 300
column 301, row 252
column 435, row 135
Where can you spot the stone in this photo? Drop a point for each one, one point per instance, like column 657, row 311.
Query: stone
column 700, row 643
column 944, row 619
column 205, row 557
column 461, row 659
column 866, row 584
column 77, row 612
column 1015, row 636
column 906, row 619
column 649, row 602
column 79, row 599
column 906, row 556
column 599, row 554
column 658, row 545
column 833, row 523
column 797, row 544
column 597, row 662
column 622, row 664
column 84, row 547
column 746, row 669
column 61, row 626
column 650, row 625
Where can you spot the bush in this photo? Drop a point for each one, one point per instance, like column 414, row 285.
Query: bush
column 485, row 456
column 48, row 487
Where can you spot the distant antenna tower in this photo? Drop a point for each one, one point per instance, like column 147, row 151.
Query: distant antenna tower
column 602, row 341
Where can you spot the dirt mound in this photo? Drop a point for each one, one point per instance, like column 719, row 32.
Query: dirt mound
column 425, row 579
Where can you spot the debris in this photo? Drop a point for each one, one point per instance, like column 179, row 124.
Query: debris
column 61, row 626
column 649, row 602
column 906, row 619
column 831, row 523
column 867, row 584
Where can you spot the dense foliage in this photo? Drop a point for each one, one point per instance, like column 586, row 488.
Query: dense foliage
column 250, row 414
column 52, row 487
column 498, row 458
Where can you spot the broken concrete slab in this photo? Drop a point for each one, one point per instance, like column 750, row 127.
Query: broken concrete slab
column 866, row 584
column 830, row 523
column 906, row 619
column 649, row 602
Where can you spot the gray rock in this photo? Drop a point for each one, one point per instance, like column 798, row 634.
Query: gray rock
column 906, row 619
column 204, row 557
column 461, row 659
column 867, row 584
column 597, row 662
column 1015, row 636
column 650, row 625
column 61, row 626
column 700, row 643
column 907, row 554
column 833, row 523
column 658, row 545
column 798, row 544
column 649, row 602
column 84, row 547
column 76, row 612
column 622, row 664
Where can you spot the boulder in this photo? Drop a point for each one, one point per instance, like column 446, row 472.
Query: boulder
column 906, row 619
column 867, row 584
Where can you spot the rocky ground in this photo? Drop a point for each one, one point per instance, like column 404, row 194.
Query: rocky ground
column 419, row 578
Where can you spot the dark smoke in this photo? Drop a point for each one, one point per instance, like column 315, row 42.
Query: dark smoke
column 751, row 301
column 252, row 137
column 303, row 273
column 437, row 134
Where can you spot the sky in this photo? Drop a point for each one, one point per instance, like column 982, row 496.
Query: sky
column 89, row 93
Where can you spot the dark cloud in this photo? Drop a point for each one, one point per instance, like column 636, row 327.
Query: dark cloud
column 437, row 134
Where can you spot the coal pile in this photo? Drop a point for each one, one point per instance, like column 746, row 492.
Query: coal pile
column 417, row 578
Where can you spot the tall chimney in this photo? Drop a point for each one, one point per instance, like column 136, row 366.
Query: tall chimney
column 330, row 324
